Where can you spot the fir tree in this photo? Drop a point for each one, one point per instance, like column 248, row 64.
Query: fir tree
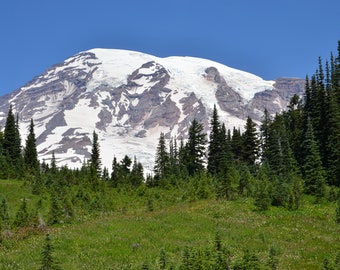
column 30, row 153
column 251, row 143
column 48, row 262
column 174, row 158
column 264, row 135
column 162, row 162
column 293, row 121
column 195, row 148
column 53, row 166
column 215, row 145
column 22, row 216
column 4, row 216
column 136, row 174
column 55, row 212
column 11, row 141
column 95, row 155
column 237, row 145
column 312, row 167
column 262, row 196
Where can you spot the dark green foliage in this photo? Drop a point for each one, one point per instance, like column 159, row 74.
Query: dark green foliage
column 250, row 143
column 11, row 147
column 30, row 151
column 237, row 145
column 195, row 148
column 312, row 167
column 95, row 155
column 265, row 136
column 4, row 217
column 11, row 142
column 55, row 213
column 137, row 173
column 215, row 144
column 48, row 262
column 22, row 215
column 162, row 161
column 249, row 261
column 246, row 182
column 262, row 196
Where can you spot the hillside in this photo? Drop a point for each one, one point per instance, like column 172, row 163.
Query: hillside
column 133, row 233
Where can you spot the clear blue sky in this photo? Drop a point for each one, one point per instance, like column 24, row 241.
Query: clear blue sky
column 270, row 38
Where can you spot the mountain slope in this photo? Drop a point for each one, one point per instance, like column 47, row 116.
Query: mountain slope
column 128, row 98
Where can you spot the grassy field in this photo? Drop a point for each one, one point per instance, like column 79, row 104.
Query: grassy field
column 131, row 235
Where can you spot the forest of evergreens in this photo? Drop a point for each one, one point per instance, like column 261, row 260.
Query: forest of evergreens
column 290, row 155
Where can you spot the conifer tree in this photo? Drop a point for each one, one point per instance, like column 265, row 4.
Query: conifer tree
column 162, row 161
column 182, row 159
column 53, row 166
column 215, row 145
column 174, row 158
column 55, row 212
column 264, row 135
column 22, row 216
column 312, row 167
column 30, row 153
column 12, row 142
column 293, row 121
column 195, row 148
column 136, row 174
column 262, row 196
column 4, row 216
column 48, row 262
column 251, row 143
column 95, row 155
column 237, row 145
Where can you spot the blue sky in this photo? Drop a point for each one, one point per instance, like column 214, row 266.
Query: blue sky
column 268, row 38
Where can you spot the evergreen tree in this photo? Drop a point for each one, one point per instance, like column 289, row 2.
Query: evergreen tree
column 264, row 135
column 115, row 172
column 22, row 216
column 312, row 167
column 55, row 212
column 262, row 195
column 162, row 161
column 182, row 159
column 137, row 173
column 11, row 141
column 251, row 143
column 47, row 260
column 195, row 148
column 3, row 162
column 53, row 166
column 293, row 120
column 30, row 153
column 215, row 145
column 237, row 145
column 95, row 155
column 174, row 158
column 4, row 216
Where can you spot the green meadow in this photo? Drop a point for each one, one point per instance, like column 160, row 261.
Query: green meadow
column 135, row 232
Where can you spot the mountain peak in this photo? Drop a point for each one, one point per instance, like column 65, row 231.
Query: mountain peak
column 130, row 97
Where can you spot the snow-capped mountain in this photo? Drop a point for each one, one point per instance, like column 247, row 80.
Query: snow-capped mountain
column 128, row 98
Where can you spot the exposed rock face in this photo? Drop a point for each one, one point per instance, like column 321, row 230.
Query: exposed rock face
column 130, row 97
